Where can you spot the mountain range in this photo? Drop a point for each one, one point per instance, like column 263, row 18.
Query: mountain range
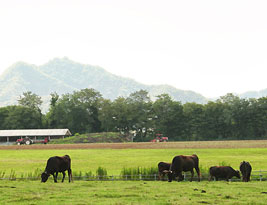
column 63, row 75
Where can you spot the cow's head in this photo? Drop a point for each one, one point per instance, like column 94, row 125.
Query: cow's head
column 169, row 174
column 237, row 174
column 44, row 176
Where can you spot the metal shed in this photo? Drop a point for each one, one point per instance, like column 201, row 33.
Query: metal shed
column 33, row 133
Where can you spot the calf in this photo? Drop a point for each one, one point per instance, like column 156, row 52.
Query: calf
column 57, row 164
column 162, row 167
column 245, row 169
column 223, row 172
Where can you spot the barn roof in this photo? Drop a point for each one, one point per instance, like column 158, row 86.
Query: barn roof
column 35, row 132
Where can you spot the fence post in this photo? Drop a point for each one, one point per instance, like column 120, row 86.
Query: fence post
column 260, row 176
column 155, row 177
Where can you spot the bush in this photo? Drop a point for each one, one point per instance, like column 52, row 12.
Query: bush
column 101, row 173
column 139, row 173
column 2, row 174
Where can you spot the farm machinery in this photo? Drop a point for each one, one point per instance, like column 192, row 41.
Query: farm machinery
column 160, row 138
column 28, row 141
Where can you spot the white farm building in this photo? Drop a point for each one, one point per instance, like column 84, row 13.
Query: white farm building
column 13, row 135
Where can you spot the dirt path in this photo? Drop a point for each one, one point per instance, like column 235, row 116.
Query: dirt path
column 149, row 145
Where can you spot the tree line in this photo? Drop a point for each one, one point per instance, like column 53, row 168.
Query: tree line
column 86, row 111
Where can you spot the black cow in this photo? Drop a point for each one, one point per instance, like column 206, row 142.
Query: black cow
column 57, row 164
column 223, row 172
column 245, row 169
column 183, row 163
column 162, row 167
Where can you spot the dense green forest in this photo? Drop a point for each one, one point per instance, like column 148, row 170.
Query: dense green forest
column 86, row 111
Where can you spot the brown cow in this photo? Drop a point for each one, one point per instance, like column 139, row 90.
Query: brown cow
column 57, row 164
column 183, row 163
column 223, row 172
column 245, row 169
column 162, row 167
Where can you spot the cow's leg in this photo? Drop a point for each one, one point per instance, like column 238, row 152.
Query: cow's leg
column 160, row 176
column 192, row 175
column 244, row 177
column 55, row 177
column 227, row 178
column 198, row 173
column 210, row 177
column 163, row 176
column 63, row 176
column 70, row 175
column 248, row 178
column 180, row 176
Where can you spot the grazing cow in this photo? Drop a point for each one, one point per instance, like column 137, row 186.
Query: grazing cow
column 245, row 169
column 223, row 172
column 183, row 163
column 162, row 167
column 57, row 164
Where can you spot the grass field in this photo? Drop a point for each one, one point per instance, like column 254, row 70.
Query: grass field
column 88, row 192
column 114, row 157
column 114, row 160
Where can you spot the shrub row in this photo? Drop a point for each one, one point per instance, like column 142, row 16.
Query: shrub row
column 135, row 173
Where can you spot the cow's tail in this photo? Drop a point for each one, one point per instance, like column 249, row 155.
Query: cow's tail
column 70, row 171
column 197, row 166
column 71, row 175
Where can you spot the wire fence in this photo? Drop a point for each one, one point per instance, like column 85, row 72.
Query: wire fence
column 260, row 175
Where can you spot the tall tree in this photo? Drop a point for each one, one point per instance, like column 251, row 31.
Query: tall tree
column 139, row 105
column 77, row 111
column 106, row 116
column 168, row 117
column 121, row 117
column 20, row 117
column 194, row 119
column 214, row 126
column 30, row 100
column 3, row 115
column 51, row 118
column 237, row 116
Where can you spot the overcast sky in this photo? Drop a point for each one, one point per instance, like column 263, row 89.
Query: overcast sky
column 211, row 47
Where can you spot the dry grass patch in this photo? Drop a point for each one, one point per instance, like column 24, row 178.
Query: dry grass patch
column 151, row 145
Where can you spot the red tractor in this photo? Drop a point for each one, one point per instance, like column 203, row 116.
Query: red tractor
column 28, row 141
column 160, row 138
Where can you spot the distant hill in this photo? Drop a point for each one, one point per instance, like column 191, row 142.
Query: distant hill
column 62, row 75
column 254, row 94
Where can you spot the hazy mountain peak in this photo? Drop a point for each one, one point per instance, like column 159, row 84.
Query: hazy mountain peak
column 63, row 75
column 20, row 65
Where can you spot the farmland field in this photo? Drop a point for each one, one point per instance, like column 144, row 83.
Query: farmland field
column 114, row 157
column 132, row 192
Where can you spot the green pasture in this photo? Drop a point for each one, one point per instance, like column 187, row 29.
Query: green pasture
column 132, row 192
column 129, row 192
column 114, row 160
